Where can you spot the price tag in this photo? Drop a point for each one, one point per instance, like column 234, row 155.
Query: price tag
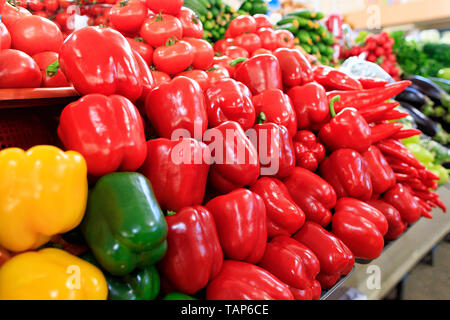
column 235, row 4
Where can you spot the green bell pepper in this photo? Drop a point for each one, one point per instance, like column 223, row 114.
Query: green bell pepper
column 141, row 284
column 178, row 296
column 124, row 225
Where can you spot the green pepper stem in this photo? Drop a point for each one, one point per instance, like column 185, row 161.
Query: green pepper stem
column 236, row 61
column 332, row 101
column 171, row 213
column 52, row 69
column 261, row 118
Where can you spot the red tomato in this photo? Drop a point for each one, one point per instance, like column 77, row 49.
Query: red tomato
column 44, row 59
column 203, row 53
column 224, row 61
column 192, row 26
column 269, row 39
column 51, row 5
column 222, row 44
column 262, row 21
column 5, row 37
column 198, row 75
column 66, row 3
column 160, row 77
column 101, row 21
column 217, row 73
column 248, row 41
column 171, row 7
column 144, row 50
column 128, row 16
column 261, row 51
column 33, row 34
column 61, row 18
column 18, row 70
column 235, row 52
column 174, row 57
column 285, row 39
column 157, row 29
column 21, row 3
column 11, row 14
column 42, row 14
column 242, row 24
column 379, row 51
column 36, row 5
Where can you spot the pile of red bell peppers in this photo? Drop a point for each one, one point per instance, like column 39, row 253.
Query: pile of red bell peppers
column 344, row 183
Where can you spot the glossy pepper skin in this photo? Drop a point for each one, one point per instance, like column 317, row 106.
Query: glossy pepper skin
column 4, row 256
column 43, row 192
column 310, row 105
column 119, row 145
column 51, row 274
column 346, row 170
column 177, row 296
column 178, row 104
column 277, row 108
column 402, row 199
column 275, row 150
column 178, row 171
column 228, row 99
column 360, row 226
column 312, row 194
column 312, row 293
column 334, row 256
column 124, row 225
column 240, row 218
column 100, row 60
column 309, row 152
column 295, row 68
column 260, row 73
column 238, row 280
column 284, row 216
column 194, row 255
column 141, row 284
column 396, row 225
column 381, row 173
column 291, row 262
column 333, row 79
column 231, row 170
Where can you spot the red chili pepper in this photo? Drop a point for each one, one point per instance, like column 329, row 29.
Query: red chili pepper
column 333, row 79
column 407, row 133
column 275, row 150
column 178, row 104
column 259, row 73
column 240, row 218
column 310, row 104
column 284, row 216
column 177, row 167
column 228, row 99
column 393, row 114
column 277, row 108
column 401, row 167
column 346, row 170
column 367, row 97
column 395, row 149
column 377, row 112
column 194, row 255
column 401, row 198
column 360, row 226
column 334, row 256
column 239, row 280
column 381, row 174
column 295, row 68
column 312, row 194
column 393, row 217
column 430, row 197
column 384, row 131
column 291, row 262
column 235, row 159
column 309, row 152
column 119, row 145
column 370, row 83
column 111, row 70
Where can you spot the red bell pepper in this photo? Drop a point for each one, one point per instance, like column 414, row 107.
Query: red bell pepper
column 312, row 194
column 259, row 73
column 240, row 218
column 311, row 105
column 228, row 99
column 393, row 217
column 107, row 131
column 402, row 199
column 360, row 226
column 235, row 161
column 295, row 68
column 194, row 256
column 275, row 149
column 178, row 104
column 291, row 262
column 334, row 256
column 346, row 170
column 177, row 168
column 312, row 293
column 333, row 79
column 109, row 69
column 239, row 280
column 277, row 108
column 284, row 216
column 309, row 152
column 148, row 82
column 381, row 173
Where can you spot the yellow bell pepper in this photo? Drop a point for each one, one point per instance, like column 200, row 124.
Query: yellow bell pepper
column 43, row 192
column 51, row 274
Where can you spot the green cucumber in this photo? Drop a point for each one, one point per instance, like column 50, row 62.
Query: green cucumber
column 304, row 37
column 306, row 14
column 292, row 27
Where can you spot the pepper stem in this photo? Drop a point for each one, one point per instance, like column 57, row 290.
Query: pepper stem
column 236, row 61
column 171, row 213
column 332, row 101
column 261, row 118
column 171, row 41
column 52, row 69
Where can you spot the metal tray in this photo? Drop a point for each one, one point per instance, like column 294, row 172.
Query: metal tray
column 326, row 293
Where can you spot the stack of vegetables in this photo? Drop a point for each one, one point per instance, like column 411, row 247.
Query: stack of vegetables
column 314, row 175
column 309, row 33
